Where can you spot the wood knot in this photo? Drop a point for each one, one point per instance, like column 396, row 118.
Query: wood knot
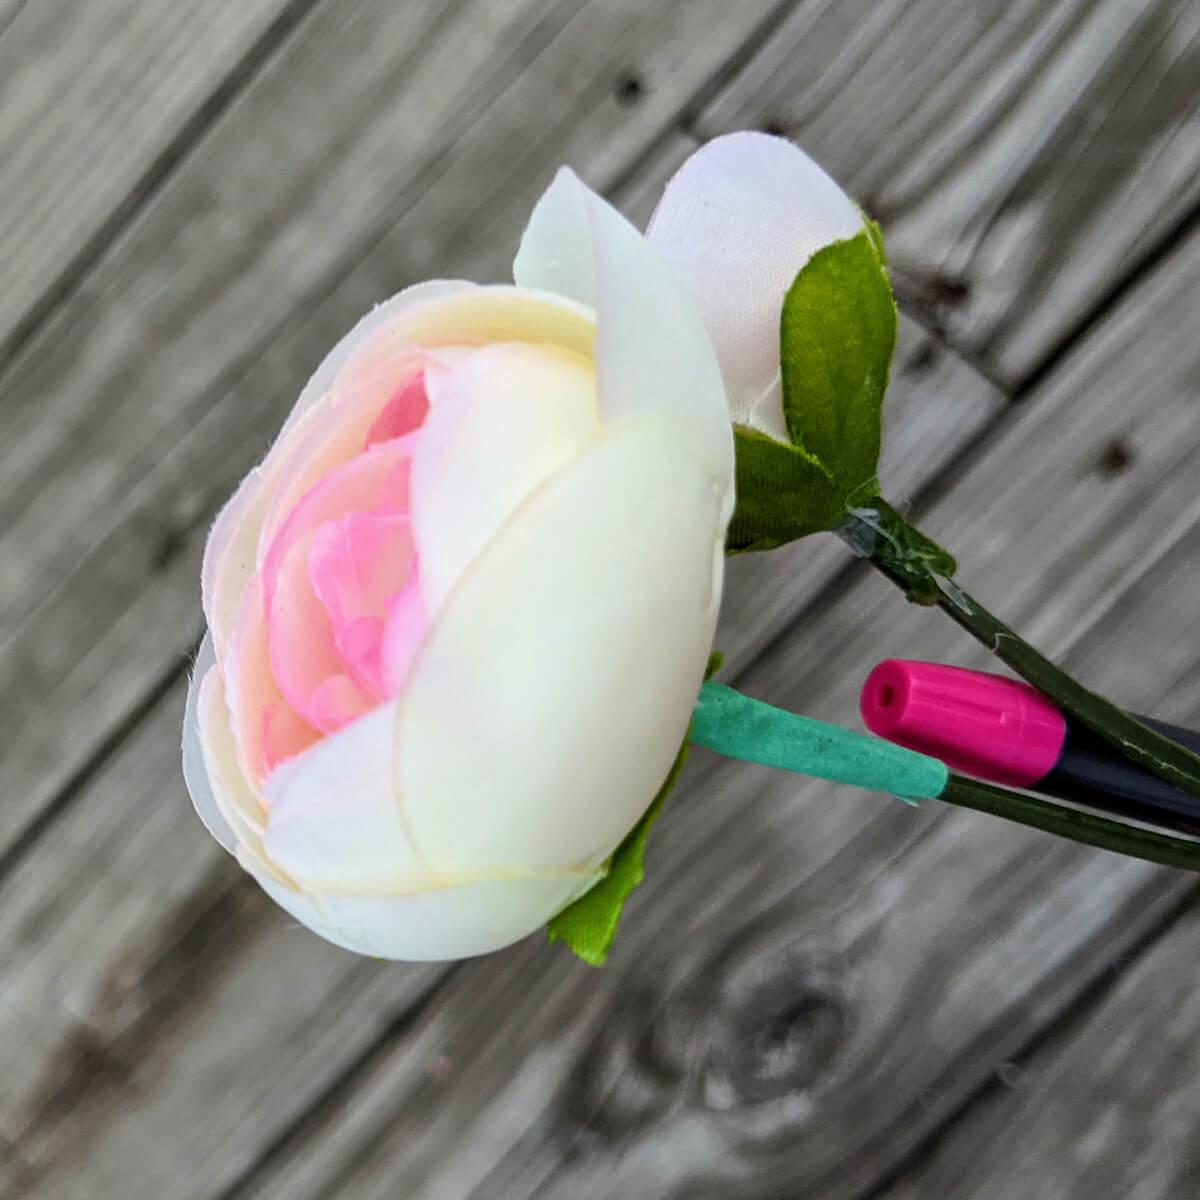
column 1116, row 458
column 777, row 1031
column 632, row 1072
column 629, row 90
column 933, row 291
column 923, row 359
column 170, row 545
column 753, row 1033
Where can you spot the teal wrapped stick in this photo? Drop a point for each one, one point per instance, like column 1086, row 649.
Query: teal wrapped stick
column 739, row 726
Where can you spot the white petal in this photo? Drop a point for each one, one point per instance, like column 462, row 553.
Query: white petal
column 456, row 921
column 652, row 353
column 498, row 427
column 737, row 222
column 195, row 770
column 497, row 313
column 548, row 701
column 334, row 819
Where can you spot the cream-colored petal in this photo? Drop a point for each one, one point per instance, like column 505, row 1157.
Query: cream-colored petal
column 334, row 819
column 232, row 792
column 455, row 921
column 737, row 222
column 231, row 550
column 551, row 696
column 497, row 313
column 359, row 340
column 653, row 356
column 499, row 425
column 195, row 769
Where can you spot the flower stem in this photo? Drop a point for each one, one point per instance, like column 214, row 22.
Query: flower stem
column 924, row 571
column 1084, row 827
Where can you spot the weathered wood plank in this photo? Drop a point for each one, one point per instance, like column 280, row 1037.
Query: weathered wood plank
column 810, row 982
column 1023, row 156
column 1106, row 1105
column 145, row 975
column 96, row 101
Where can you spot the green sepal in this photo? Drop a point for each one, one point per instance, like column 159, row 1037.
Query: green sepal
column 589, row 925
column 837, row 335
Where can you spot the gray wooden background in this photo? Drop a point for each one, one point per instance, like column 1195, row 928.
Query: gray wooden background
column 818, row 992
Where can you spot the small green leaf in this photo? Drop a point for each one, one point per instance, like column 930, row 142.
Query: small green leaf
column 716, row 660
column 837, row 335
column 781, row 495
column 836, row 341
column 876, row 232
column 589, row 925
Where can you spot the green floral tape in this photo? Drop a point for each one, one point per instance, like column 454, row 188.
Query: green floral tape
column 740, row 727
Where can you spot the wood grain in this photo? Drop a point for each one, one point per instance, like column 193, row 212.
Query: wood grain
column 1024, row 157
column 98, row 102
column 161, row 1019
column 813, row 980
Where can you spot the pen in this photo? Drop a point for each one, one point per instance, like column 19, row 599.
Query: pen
column 1004, row 731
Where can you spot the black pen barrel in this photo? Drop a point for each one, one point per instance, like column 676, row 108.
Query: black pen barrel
column 1091, row 772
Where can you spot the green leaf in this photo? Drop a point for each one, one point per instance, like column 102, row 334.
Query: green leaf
column 589, row 925
column 836, row 341
column 876, row 232
column 837, row 335
column 781, row 495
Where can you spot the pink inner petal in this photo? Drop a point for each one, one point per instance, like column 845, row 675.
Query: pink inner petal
column 407, row 622
column 252, row 693
column 334, row 438
column 337, row 702
column 356, row 486
column 332, row 620
column 393, row 496
column 284, row 734
column 403, row 413
column 355, row 565
column 301, row 644
column 358, row 645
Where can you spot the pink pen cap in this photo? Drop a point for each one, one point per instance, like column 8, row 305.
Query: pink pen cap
column 983, row 725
